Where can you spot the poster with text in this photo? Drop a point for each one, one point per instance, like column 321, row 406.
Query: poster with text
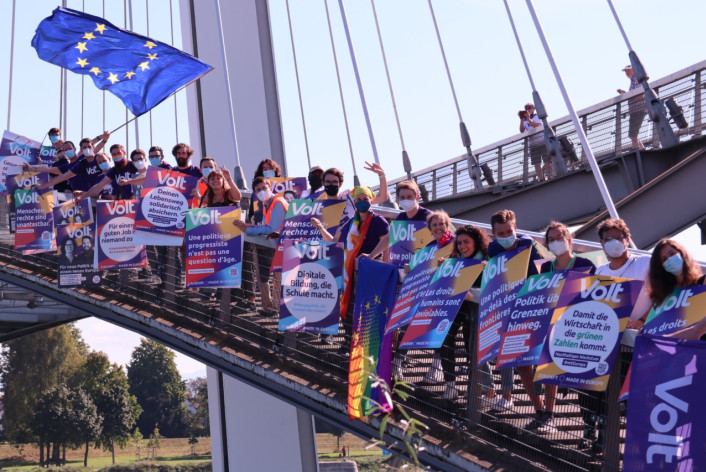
column 214, row 248
column 73, row 212
column 116, row 249
column 15, row 150
column 682, row 308
column 290, row 188
column 47, row 156
column 585, row 332
column 440, row 303
column 312, row 281
column 406, row 238
column 75, row 255
column 665, row 428
column 525, row 329
column 34, row 222
column 503, row 277
column 165, row 198
column 422, row 267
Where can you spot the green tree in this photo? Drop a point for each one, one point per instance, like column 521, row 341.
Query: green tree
column 31, row 365
column 157, row 385
column 115, row 406
column 197, row 409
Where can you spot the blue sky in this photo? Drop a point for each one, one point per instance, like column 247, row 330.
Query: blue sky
column 483, row 58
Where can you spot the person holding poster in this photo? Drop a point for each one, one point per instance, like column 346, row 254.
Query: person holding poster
column 86, row 168
column 360, row 236
column 333, row 179
column 558, row 239
column 274, row 209
column 672, row 267
column 220, row 189
column 504, row 228
column 413, row 216
column 121, row 171
column 316, row 183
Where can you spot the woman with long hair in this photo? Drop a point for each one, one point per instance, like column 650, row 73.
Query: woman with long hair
column 221, row 190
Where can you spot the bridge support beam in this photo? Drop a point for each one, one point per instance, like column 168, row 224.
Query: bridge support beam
column 251, row 430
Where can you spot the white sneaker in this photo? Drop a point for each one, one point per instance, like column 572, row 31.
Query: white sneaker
column 499, row 403
column 434, row 375
column 450, row 393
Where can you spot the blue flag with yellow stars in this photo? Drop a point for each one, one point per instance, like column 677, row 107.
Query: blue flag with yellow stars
column 138, row 70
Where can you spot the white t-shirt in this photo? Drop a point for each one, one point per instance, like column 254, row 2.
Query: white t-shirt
column 637, row 268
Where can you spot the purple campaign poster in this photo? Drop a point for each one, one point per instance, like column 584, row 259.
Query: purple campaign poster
column 297, row 221
column 75, row 255
column 681, row 309
column 214, row 248
column 503, row 277
column 665, row 427
column 422, row 268
column 114, row 223
column 72, row 211
column 440, row 304
column 165, row 198
column 406, row 238
column 15, row 150
column 312, row 281
column 586, row 328
column 525, row 329
column 34, row 223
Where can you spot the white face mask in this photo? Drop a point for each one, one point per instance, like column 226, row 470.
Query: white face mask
column 558, row 247
column 614, row 248
column 264, row 195
column 139, row 164
column 88, row 152
column 407, row 205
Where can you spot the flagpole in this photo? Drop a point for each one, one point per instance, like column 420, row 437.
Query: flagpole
column 12, row 55
column 239, row 175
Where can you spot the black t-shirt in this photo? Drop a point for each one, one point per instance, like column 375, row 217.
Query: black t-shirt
column 63, row 165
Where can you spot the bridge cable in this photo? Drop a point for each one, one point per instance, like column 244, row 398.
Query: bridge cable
column 12, row 56
column 83, row 9
column 176, row 111
column 104, row 127
column 405, row 157
column 137, row 128
column 552, row 144
column 605, row 193
column 361, row 92
column 299, row 90
column 356, row 180
column 239, row 175
column 472, row 162
column 64, row 96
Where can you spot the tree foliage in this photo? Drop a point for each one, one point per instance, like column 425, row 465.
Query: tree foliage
column 197, row 410
column 31, row 365
column 155, row 382
column 115, row 405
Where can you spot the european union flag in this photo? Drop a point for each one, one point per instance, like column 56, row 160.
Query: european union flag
column 140, row 71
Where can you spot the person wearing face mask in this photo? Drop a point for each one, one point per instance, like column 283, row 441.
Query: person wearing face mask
column 55, row 138
column 121, row 170
column 408, row 195
column 504, row 228
column 207, row 165
column 86, row 168
column 316, row 183
column 182, row 152
column 139, row 160
column 333, row 180
column 156, row 158
column 274, row 209
column 558, row 239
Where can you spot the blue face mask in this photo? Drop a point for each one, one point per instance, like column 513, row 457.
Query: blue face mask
column 155, row 161
column 205, row 171
column 70, row 154
column 268, row 174
column 54, row 138
column 507, row 242
column 674, row 264
column 362, row 206
column 104, row 166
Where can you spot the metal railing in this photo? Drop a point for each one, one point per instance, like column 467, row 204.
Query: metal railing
column 605, row 124
column 248, row 325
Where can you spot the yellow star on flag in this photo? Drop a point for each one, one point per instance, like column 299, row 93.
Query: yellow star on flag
column 152, row 57
column 82, row 62
column 144, row 65
column 113, row 78
column 89, row 36
column 81, row 47
column 377, row 299
column 367, row 306
column 128, row 75
column 96, row 71
column 150, row 44
column 99, row 28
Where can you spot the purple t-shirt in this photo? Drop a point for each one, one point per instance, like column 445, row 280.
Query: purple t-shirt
column 191, row 170
column 90, row 171
column 421, row 215
column 378, row 228
column 123, row 192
